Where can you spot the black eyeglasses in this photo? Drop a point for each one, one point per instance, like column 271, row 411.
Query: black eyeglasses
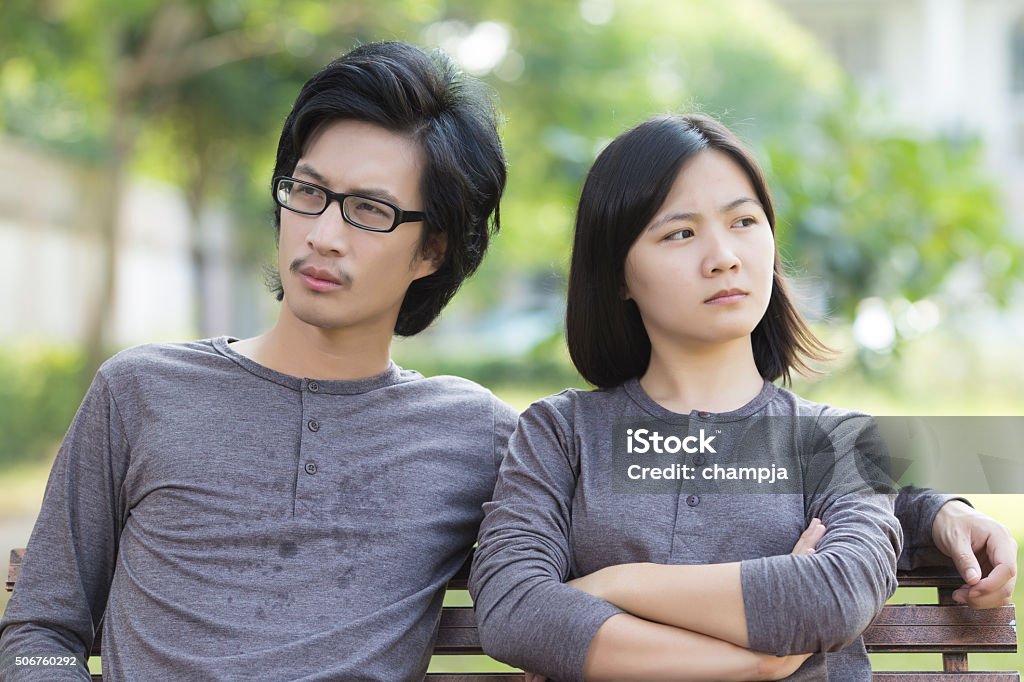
column 367, row 213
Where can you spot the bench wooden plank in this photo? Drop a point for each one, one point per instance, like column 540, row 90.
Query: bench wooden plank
column 939, row 639
column 906, row 629
column 17, row 556
column 475, row 677
column 931, row 676
column 927, row 614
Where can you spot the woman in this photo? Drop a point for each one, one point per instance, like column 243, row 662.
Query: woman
column 678, row 313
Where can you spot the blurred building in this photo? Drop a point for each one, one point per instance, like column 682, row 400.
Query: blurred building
column 954, row 67
column 51, row 263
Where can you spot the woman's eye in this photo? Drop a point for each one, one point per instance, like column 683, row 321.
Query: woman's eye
column 746, row 222
column 680, row 235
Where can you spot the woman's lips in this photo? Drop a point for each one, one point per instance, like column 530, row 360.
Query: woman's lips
column 726, row 300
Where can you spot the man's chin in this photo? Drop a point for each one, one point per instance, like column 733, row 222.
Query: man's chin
column 321, row 319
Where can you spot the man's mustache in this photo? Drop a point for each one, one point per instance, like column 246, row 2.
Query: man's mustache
column 339, row 274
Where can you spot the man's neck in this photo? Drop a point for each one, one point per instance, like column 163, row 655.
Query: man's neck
column 718, row 378
column 303, row 350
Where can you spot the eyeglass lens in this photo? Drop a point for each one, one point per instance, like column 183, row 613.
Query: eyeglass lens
column 362, row 211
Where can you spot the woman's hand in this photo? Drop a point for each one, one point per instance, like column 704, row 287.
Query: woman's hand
column 809, row 538
column 984, row 552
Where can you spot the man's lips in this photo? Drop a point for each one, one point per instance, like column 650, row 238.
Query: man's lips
column 318, row 284
column 320, row 279
column 727, row 296
column 320, row 274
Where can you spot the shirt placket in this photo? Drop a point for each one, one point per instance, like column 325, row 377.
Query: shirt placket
column 691, row 503
column 310, row 463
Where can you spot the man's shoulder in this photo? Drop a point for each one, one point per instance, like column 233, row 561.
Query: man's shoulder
column 152, row 359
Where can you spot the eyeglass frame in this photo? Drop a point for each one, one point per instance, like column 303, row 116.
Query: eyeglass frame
column 401, row 216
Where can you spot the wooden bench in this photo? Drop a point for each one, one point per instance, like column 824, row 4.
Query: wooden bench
column 945, row 628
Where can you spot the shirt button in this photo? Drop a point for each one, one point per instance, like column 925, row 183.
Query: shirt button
column 310, row 468
column 314, row 387
column 703, row 414
column 699, row 460
column 693, row 500
column 313, row 425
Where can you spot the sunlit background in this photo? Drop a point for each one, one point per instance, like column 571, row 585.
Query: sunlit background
column 137, row 140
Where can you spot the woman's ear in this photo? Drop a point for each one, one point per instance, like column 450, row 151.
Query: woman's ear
column 624, row 293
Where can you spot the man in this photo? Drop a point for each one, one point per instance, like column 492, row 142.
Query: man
column 292, row 505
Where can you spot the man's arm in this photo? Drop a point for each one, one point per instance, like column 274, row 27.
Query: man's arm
column 62, row 588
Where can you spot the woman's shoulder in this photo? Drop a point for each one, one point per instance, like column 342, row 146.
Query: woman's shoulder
column 573, row 407
column 787, row 403
column 582, row 398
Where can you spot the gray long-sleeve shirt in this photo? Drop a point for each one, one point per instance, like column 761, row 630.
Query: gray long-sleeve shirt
column 560, row 511
column 235, row 523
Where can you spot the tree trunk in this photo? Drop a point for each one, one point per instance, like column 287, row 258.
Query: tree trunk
column 195, row 197
column 120, row 140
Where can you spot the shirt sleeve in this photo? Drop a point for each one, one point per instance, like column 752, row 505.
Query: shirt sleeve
column 69, row 562
column 527, row 615
column 824, row 601
column 916, row 509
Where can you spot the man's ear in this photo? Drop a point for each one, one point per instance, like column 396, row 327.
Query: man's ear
column 432, row 256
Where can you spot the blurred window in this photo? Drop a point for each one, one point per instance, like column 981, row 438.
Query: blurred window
column 1017, row 87
column 1017, row 57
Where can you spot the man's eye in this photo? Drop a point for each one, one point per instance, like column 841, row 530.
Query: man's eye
column 368, row 207
column 309, row 191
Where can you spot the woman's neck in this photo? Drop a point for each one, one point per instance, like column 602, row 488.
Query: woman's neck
column 714, row 378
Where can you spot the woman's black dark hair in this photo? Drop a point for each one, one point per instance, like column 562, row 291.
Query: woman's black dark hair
column 624, row 189
column 404, row 90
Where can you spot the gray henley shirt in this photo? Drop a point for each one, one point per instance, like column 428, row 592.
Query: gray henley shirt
column 236, row 523
column 556, row 515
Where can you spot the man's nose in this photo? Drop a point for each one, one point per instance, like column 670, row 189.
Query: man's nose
column 329, row 232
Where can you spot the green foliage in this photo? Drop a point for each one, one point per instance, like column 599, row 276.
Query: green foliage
column 875, row 213
column 40, row 391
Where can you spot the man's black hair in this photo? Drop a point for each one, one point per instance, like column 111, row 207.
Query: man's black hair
column 451, row 117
